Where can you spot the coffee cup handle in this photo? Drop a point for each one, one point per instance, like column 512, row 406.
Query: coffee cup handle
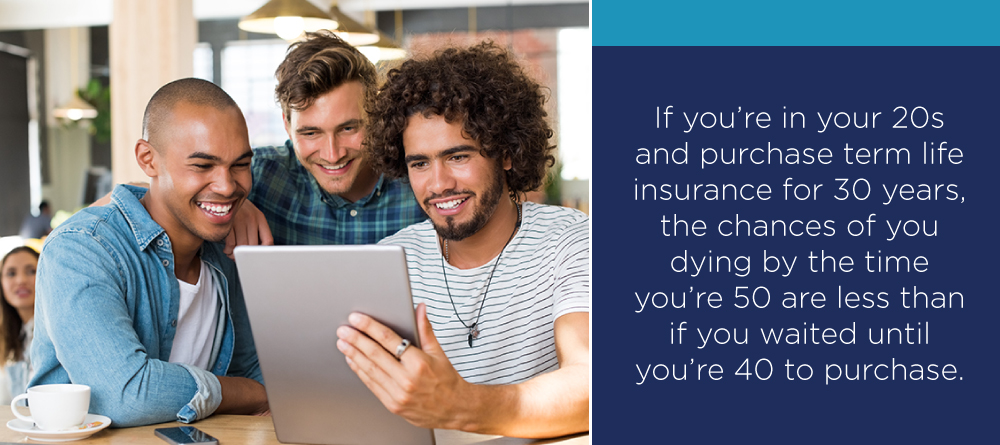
column 17, row 413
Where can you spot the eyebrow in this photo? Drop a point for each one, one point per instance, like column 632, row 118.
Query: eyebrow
column 458, row 149
column 350, row 123
column 213, row 158
column 448, row 152
column 205, row 156
column 305, row 129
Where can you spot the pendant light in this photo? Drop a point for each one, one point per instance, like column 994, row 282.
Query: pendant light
column 383, row 49
column 75, row 108
column 287, row 18
column 350, row 30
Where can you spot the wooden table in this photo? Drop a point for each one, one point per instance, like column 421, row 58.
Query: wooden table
column 251, row 430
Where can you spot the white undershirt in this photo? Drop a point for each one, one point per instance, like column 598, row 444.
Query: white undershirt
column 197, row 319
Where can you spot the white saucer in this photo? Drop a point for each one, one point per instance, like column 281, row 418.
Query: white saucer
column 28, row 429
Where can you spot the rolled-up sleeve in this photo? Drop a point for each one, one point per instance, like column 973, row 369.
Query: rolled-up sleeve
column 206, row 400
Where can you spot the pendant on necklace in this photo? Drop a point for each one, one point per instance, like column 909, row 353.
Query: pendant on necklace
column 473, row 334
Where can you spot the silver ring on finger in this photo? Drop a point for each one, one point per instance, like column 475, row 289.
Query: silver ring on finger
column 402, row 348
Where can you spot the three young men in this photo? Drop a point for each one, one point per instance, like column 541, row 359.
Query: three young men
column 503, row 285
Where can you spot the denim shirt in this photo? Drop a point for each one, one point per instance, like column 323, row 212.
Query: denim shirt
column 106, row 311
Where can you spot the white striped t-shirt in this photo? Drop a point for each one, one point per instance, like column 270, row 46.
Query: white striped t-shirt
column 543, row 274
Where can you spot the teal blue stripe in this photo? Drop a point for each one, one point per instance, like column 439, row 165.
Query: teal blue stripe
column 796, row 23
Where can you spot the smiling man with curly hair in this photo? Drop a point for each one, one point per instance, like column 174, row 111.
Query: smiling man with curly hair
column 503, row 285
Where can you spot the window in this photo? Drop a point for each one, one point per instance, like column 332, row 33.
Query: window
column 248, row 76
column 574, row 77
column 203, row 64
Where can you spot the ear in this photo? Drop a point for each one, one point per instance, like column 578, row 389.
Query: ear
column 507, row 163
column 288, row 124
column 145, row 156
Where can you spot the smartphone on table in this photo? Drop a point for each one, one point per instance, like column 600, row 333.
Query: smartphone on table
column 184, row 435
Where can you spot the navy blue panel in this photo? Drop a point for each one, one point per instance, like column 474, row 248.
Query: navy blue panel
column 958, row 89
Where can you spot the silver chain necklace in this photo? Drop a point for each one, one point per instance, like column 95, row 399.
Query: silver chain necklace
column 473, row 329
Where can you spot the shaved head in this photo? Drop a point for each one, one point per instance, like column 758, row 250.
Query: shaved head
column 155, row 121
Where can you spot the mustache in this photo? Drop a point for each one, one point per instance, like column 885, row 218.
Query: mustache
column 236, row 196
column 447, row 193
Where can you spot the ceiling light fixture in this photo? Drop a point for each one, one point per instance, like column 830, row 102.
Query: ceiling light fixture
column 287, row 18
column 350, row 30
column 383, row 49
column 75, row 108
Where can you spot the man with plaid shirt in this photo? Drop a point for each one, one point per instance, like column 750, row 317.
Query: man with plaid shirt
column 318, row 188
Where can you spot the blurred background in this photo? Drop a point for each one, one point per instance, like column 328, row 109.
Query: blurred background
column 76, row 76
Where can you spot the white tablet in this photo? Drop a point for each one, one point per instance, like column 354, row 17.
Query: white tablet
column 297, row 297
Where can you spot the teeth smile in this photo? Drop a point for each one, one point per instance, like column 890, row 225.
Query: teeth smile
column 216, row 209
column 334, row 167
column 449, row 204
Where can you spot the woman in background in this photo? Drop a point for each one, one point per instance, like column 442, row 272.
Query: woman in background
column 17, row 313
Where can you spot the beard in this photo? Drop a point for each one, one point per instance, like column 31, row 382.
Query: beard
column 490, row 199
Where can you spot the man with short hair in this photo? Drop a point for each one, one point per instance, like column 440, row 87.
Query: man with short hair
column 317, row 188
column 132, row 300
column 503, row 285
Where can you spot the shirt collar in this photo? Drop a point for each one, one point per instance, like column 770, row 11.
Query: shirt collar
column 146, row 230
column 338, row 202
column 126, row 199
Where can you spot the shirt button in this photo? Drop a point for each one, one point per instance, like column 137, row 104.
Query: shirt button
column 354, row 213
column 166, row 263
column 173, row 323
column 159, row 242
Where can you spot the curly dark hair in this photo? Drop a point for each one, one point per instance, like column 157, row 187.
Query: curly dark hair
column 316, row 65
column 499, row 106
column 11, row 343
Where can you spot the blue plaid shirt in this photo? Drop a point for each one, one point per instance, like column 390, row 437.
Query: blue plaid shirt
column 300, row 212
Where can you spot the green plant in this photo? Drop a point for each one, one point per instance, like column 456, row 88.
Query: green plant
column 98, row 96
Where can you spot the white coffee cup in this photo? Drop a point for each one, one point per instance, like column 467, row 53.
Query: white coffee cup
column 55, row 407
